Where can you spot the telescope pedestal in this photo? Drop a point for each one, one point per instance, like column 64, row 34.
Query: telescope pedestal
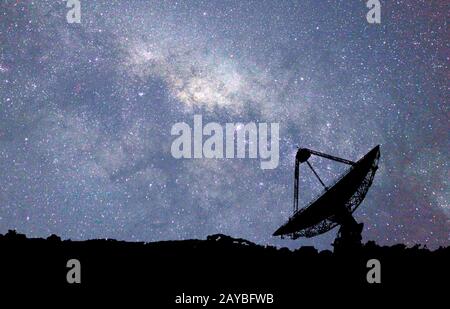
column 349, row 234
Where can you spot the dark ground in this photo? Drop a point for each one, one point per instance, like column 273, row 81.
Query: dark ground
column 219, row 264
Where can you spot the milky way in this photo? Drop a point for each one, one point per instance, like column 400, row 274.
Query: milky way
column 86, row 112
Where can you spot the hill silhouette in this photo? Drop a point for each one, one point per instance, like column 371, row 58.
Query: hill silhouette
column 219, row 262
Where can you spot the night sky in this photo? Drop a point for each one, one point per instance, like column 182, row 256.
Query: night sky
column 86, row 112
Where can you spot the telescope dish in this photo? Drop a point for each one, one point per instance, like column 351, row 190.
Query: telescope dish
column 336, row 205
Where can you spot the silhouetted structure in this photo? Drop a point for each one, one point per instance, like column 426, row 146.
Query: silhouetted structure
column 336, row 205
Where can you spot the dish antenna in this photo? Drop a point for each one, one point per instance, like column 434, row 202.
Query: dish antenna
column 337, row 204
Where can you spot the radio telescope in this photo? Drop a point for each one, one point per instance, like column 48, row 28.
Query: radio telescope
column 337, row 203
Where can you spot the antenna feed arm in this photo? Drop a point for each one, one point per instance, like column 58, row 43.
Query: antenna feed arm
column 303, row 154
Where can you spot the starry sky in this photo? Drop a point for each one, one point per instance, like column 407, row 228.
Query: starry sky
column 86, row 112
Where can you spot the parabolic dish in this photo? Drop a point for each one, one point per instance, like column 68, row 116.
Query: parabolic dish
column 347, row 193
